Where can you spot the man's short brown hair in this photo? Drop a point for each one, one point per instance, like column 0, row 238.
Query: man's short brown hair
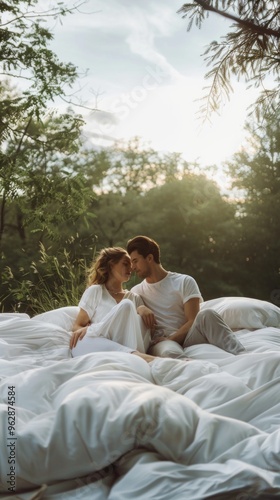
column 144, row 246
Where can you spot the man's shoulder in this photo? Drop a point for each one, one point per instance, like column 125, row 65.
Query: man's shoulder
column 183, row 282
column 179, row 276
column 131, row 293
column 137, row 288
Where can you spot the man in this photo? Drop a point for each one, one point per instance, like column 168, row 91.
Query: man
column 173, row 302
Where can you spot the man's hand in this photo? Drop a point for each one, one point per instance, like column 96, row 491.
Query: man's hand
column 77, row 335
column 147, row 316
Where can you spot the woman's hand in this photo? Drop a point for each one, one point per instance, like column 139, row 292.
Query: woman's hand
column 77, row 335
column 147, row 316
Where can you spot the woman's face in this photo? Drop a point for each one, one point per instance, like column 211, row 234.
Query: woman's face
column 122, row 269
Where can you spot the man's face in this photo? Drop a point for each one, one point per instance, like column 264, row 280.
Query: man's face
column 140, row 265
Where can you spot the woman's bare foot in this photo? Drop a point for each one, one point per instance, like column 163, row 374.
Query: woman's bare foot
column 146, row 357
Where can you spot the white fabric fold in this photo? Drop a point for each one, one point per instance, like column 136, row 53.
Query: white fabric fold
column 110, row 422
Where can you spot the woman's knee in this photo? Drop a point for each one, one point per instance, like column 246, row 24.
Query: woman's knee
column 127, row 306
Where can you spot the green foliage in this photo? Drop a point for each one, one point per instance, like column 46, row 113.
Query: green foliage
column 256, row 174
column 195, row 227
column 116, row 215
column 25, row 53
column 228, row 246
column 194, row 224
column 36, row 175
column 61, row 200
column 38, row 190
column 137, row 167
column 26, row 130
column 42, row 197
column 250, row 49
column 52, row 282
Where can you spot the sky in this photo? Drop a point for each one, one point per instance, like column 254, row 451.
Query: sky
column 146, row 74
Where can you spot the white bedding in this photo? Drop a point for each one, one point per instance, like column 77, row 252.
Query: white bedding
column 110, row 426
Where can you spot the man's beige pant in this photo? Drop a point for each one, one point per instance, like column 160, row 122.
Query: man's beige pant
column 207, row 328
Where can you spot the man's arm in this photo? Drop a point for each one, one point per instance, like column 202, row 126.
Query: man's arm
column 147, row 316
column 191, row 309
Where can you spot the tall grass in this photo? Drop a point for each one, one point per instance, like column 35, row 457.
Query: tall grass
column 52, row 282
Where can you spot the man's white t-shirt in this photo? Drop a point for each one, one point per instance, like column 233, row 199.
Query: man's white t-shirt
column 166, row 299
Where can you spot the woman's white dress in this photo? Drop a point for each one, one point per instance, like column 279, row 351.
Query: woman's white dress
column 114, row 326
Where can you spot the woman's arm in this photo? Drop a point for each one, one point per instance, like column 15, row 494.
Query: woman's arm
column 79, row 328
column 81, row 320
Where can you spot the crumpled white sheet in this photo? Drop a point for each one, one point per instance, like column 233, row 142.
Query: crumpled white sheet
column 109, row 425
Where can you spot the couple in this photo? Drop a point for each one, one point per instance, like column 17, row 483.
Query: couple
column 158, row 317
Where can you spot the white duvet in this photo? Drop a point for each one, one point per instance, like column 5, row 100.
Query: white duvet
column 111, row 426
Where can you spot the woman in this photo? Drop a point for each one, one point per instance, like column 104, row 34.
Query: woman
column 110, row 317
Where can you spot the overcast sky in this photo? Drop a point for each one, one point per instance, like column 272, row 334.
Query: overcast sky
column 145, row 72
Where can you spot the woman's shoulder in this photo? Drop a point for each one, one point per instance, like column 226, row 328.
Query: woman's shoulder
column 93, row 290
column 94, row 287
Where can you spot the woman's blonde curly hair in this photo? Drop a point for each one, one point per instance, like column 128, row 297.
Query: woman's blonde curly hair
column 99, row 270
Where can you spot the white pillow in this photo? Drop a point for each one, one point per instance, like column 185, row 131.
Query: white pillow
column 63, row 317
column 5, row 316
column 244, row 312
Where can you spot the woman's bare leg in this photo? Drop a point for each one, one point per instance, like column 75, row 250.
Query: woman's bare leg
column 146, row 357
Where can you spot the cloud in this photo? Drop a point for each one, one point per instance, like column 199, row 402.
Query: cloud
column 135, row 25
column 101, row 137
column 149, row 71
column 103, row 117
column 144, row 29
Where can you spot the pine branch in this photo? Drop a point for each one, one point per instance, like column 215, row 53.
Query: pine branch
column 244, row 22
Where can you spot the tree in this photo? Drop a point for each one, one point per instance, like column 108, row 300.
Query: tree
column 25, row 54
column 251, row 49
column 117, row 215
column 35, row 177
column 195, row 228
column 39, row 190
column 35, row 143
column 256, row 175
column 129, row 171
column 133, row 166
column 25, row 57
